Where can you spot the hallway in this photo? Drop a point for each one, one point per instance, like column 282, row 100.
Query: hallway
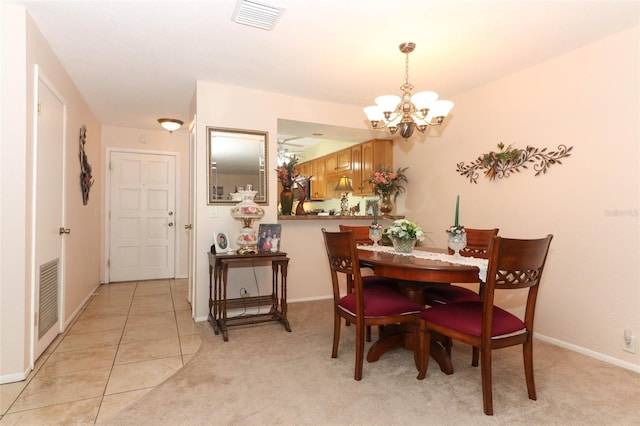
column 129, row 338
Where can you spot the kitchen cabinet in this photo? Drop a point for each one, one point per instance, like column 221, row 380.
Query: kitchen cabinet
column 357, row 162
column 369, row 156
column 339, row 163
column 317, row 170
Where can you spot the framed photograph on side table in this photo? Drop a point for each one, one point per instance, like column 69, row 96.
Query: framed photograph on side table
column 222, row 242
column 269, row 238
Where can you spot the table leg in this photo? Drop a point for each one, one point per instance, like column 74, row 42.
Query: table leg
column 396, row 337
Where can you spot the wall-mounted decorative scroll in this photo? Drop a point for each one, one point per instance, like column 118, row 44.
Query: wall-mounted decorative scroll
column 86, row 180
column 508, row 160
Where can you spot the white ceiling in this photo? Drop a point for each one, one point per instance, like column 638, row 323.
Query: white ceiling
column 137, row 61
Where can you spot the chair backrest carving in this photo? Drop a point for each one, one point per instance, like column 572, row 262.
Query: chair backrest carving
column 515, row 264
column 343, row 258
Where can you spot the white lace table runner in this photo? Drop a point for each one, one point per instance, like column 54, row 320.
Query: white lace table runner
column 460, row 260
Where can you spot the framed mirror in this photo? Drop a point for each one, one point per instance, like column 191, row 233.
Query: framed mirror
column 236, row 160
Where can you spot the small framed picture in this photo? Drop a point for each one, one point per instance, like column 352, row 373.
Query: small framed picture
column 371, row 204
column 222, row 242
column 269, row 238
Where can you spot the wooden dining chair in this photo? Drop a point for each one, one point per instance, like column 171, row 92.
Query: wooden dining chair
column 366, row 306
column 513, row 264
column 361, row 237
column 477, row 246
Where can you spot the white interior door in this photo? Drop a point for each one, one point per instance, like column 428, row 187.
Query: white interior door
column 49, row 216
column 142, row 216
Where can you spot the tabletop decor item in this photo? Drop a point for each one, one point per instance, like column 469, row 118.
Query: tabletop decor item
column 247, row 211
column 404, row 234
column 502, row 163
column 302, row 183
column 388, row 184
column 457, row 234
column 375, row 229
column 269, row 237
column 287, row 175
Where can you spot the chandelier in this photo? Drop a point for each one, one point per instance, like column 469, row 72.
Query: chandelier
column 409, row 112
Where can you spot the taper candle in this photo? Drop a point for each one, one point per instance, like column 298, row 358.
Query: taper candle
column 375, row 213
column 457, row 209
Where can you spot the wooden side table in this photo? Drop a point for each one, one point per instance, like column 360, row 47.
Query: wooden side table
column 219, row 304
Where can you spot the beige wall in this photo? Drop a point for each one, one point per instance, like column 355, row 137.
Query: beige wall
column 24, row 47
column 588, row 99
column 14, row 294
column 218, row 105
column 153, row 141
column 591, row 290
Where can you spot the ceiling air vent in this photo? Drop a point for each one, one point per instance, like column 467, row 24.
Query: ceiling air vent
column 256, row 14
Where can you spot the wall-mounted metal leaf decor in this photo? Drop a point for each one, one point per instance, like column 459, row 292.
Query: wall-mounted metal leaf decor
column 508, row 160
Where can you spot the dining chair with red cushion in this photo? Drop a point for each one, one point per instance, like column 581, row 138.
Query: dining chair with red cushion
column 361, row 236
column 513, row 264
column 477, row 246
column 365, row 306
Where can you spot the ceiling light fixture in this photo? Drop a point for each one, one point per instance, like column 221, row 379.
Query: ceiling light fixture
column 170, row 124
column 410, row 112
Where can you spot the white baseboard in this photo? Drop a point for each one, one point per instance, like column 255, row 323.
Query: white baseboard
column 589, row 353
column 16, row 377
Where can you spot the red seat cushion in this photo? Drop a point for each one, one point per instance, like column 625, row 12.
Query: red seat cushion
column 380, row 302
column 466, row 317
column 450, row 294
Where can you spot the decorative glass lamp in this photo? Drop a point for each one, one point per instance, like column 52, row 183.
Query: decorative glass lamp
column 344, row 185
column 247, row 211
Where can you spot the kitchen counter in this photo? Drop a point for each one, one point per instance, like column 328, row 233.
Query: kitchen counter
column 341, row 218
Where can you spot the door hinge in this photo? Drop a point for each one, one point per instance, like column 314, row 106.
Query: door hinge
column 109, row 263
column 39, row 109
column 35, row 319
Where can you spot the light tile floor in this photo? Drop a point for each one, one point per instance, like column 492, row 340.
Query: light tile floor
column 129, row 338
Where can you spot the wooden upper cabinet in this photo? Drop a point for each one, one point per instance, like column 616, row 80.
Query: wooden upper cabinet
column 303, row 169
column 338, row 163
column 356, row 169
column 374, row 153
column 318, row 181
column 343, row 160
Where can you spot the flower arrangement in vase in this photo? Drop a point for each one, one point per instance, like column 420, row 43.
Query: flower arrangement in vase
column 387, row 184
column 287, row 175
column 404, row 234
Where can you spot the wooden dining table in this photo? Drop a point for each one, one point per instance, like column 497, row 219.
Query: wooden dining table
column 415, row 270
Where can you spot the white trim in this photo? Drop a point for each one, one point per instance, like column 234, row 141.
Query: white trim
column 592, row 354
column 16, row 377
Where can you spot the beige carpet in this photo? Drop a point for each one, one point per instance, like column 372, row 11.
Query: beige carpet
column 266, row 376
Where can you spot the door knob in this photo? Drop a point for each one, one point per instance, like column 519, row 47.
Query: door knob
column 64, row 230
column 170, row 223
